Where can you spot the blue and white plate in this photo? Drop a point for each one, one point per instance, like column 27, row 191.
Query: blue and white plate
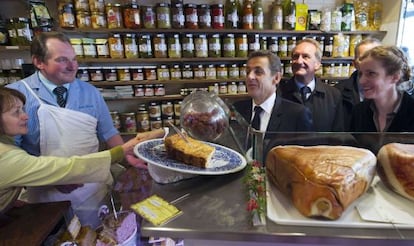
column 224, row 160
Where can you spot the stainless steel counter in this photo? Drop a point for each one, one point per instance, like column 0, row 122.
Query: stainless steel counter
column 214, row 208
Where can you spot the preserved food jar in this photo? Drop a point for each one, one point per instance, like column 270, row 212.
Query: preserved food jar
column 113, row 15
column 150, row 72
column 291, row 45
column 148, row 17
column 116, row 50
column 97, row 5
column 188, row 45
column 102, row 48
column 163, row 73
column 214, row 46
column 229, row 47
column 191, row 17
column 273, row 44
column 223, row 88
column 11, row 29
column 155, row 123
column 175, row 72
column 217, row 18
column 290, row 15
column 130, row 46
column 328, row 49
column 177, row 13
column 137, row 73
column 83, row 74
column 199, row 72
column 149, row 91
column 81, row 5
column 201, row 46
column 163, row 12
column 283, row 47
column 232, row 88
column 241, row 88
column 263, row 43
column 211, row 72
column 336, row 19
column 188, row 72
column 115, row 119
column 204, row 16
column 66, row 15
column 247, row 15
column 132, row 16
column 159, row 90
column 167, row 108
column 98, row 20
column 154, row 109
column 242, row 71
column 177, row 108
column 233, row 71
column 277, row 15
column 145, row 48
column 258, row 15
column 174, row 46
column 142, row 119
column 241, row 45
column 128, row 122
column 222, row 72
column 160, row 46
column 231, row 13
column 375, row 15
column 89, row 47
column 124, row 74
column 139, row 91
column 254, row 42
column 77, row 46
column 83, row 19
column 110, row 73
column 96, row 74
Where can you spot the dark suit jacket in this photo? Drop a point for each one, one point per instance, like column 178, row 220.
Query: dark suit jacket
column 350, row 96
column 286, row 116
column 403, row 121
column 325, row 103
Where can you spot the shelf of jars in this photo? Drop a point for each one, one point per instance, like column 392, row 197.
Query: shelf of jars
column 171, row 97
column 87, row 31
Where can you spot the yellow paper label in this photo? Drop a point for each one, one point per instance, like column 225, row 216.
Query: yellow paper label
column 301, row 16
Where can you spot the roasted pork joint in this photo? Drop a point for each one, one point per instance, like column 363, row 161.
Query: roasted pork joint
column 321, row 181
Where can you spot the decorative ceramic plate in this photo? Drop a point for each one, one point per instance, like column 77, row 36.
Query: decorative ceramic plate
column 224, row 160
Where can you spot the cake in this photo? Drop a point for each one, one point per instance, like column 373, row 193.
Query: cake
column 321, row 181
column 396, row 168
column 193, row 152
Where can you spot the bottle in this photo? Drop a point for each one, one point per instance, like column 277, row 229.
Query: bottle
column 361, row 15
column 375, row 15
column 232, row 20
column 277, row 15
column 247, row 15
column 289, row 11
column 258, row 13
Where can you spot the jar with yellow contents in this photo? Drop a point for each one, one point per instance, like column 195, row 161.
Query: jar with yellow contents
column 113, row 15
column 130, row 46
column 98, row 20
column 174, row 46
column 160, row 46
column 116, row 49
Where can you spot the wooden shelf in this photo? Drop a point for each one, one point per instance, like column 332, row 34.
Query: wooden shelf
column 14, row 48
column 173, row 97
column 176, row 82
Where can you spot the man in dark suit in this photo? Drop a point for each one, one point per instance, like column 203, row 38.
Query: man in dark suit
column 263, row 74
column 324, row 101
column 350, row 89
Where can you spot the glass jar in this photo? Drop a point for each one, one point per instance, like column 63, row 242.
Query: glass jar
column 273, row 44
column 142, row 118
column 154, row 109
column 128, row 122
column 102, row 48
column 188, row 72
column 188, row 45
column 149, row 91
column 214, row 46
column 110, row 74
column 191, row 17
column 145, row 48
column 77, row 46
column 97, row 5
column 201, row 46
column 148, row 17
column 241, row 87
column 89, row 47
column 124, row 74
column 150, row 72
column 258, row 15
column 66, row 15
column 174, row 46
column 283, row 47
column 160, row 46
column 137, row 73
column 98, row 20
column 243, row 71
column 131, row 16
column 83, row 74
column 113, row 15
column 163, row 12
column 217, row 18
column 232, row 18
column 199, row 72
column 11, row 29
column 139, row 90
column 291, row 45
column 241, row 45
column 163, row 73
column 232, row 88
column 211, row 72
column 204, row 16
column 222, row 72
column 233, row 71
column 96, row 74
column 175, row 72
column 115, row 119
column 177, row 15
column 229, row 47
column 83, row 19
column 263, row 43
column 116, row 49
column 167, row 108
column 254, row 42
column 223, row 88
column 159, row 90
column 130, row 46
column 247, row 15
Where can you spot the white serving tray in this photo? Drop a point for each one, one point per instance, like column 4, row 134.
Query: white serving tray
column 378, row 208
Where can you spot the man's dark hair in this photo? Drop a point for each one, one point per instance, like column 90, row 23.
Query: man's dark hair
column 274, row 61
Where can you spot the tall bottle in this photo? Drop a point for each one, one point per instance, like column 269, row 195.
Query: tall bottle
column 289, row 11
column 375, row 15
column 247, row 15
column 277, row 15
column 232, row 17
column 258, row 15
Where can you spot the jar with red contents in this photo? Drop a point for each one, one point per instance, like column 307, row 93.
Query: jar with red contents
column 217, row 16
column 191, row 17
column 132, row 17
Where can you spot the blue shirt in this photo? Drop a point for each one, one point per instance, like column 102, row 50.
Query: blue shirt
column 82, row 97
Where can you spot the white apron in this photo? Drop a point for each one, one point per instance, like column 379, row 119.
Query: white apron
column 65, row 132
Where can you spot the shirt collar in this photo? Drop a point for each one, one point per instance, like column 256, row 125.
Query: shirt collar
column 50, row 85
column 267, row 105
column 311, row 84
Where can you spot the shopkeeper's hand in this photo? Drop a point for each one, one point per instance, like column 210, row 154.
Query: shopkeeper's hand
column 134, row 161
column 67, row 188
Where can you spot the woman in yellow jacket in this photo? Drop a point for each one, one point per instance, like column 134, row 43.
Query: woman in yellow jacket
column 19, row 169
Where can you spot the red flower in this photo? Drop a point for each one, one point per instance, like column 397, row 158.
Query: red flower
column 252, row 205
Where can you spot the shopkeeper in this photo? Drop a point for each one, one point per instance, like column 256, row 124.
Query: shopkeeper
column 20, row 169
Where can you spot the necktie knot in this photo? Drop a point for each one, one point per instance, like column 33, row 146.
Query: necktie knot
column 256, row 119
column 305, row 91
column 59, row 92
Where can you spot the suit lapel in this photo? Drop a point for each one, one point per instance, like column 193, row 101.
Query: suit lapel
column 275, row 118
